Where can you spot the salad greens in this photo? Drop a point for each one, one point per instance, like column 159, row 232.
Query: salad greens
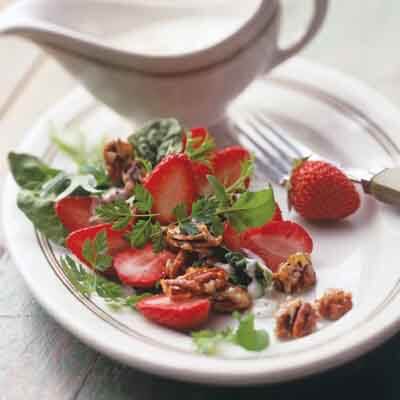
column 96, row 253
column 88, row 283
column 245, row 335
column 157, row 139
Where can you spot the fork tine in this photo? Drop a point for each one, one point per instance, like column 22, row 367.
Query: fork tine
column 276, row 171
column 280, row 161
column 279, row 135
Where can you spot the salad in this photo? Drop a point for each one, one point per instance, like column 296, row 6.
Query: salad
column 174, row 219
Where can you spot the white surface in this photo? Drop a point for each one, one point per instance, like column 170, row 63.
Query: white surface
column 343, row 256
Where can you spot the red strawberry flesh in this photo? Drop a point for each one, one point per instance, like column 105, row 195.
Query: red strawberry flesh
column 227, row 164
column 276, row 241
column 141, row 268
column 171, row 183
column 75, row 212
column 178, row 315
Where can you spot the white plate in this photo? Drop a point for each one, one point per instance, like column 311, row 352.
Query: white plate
column 339, row 118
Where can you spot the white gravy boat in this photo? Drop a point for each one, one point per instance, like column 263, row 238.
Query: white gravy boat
column 194, row 86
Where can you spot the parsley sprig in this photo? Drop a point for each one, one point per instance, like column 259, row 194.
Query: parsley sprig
column 95, row 252
column 89, row 283
column 245, row 335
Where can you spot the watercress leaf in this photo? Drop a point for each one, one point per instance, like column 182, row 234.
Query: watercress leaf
column 206, row 341
column 217, row 227
column 117, row 212
column 204, row 210
column 157, row 139
column 78, row 276
column 180, row 211
column 100, row 243
column 252, row 209
column 246, row 172
column 140, row 233
column 219, row 190
column 143, row 200
column 157, row 237
column 188, row 228
column 40, row 211
column 29, row 171
column 98, row 170
column 248, row 337
column 103, row 262
column 88, row 252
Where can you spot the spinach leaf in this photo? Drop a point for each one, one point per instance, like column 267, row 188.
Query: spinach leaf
column 157, row 139
column 252, row 209
column 40, row 211
column 29, row 171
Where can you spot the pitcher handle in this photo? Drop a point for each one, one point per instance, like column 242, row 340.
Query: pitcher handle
column 320, row 10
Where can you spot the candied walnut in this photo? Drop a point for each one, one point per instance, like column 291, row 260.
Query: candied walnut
column 334, row 304
column 295, row 319
column 233, row 298
column 173, row 267
column 201, row 242
column 118, row 155
column 201, row 281
column 295, row 275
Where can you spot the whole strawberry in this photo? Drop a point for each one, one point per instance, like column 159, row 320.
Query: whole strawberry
column 320, row 191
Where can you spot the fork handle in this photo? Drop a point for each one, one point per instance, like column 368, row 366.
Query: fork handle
column 384, row 186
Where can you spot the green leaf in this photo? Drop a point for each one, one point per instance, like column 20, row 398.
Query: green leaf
column 246, row 172
column 40, row 211
column 140, row 233
column 29, row 172
column 143, row 200
column 186, row 226
column 180, row 211
column 64, row 185
column 248, row 337
column 207, row 341
column 252, row 209
column 157, row 139
column 204, row 210
column 88, row 283
column 219, row 190
column 95, row 252
column 117, row 212
column 157, row 237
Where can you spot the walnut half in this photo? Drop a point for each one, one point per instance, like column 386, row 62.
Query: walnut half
column 295, row 319
column 232, row 298
column 295, row 275
column 201, row 281
column 334, row 304
column 118, row 155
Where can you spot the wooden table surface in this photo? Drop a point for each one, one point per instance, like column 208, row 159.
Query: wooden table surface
column 40, row 360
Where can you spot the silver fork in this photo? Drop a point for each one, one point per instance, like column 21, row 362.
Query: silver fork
column 276, row 151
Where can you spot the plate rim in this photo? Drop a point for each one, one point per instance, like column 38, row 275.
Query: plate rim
column 238, row 377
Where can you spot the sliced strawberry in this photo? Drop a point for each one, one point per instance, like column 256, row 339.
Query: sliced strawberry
column 141, row 268
column 116, row 241
column 276, row 241
column 179, row 315
column 200, row 172
column 170, row 184
column 75, row 212
column 234, row 240
column 227, row 164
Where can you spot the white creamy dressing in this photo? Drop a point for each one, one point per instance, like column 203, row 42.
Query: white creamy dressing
column 194, row 26
column 177, row 36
